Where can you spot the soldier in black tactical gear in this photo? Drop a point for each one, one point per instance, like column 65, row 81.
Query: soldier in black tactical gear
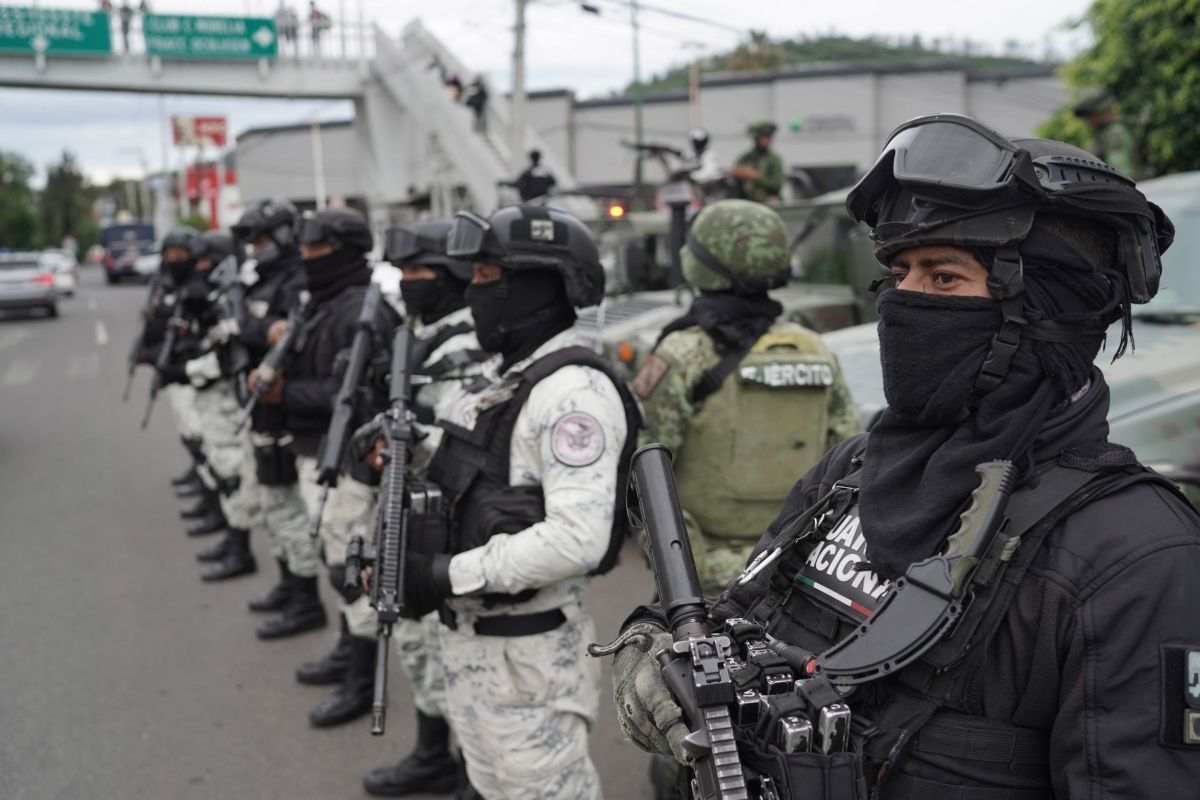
column 335, row 244
column 1028, row 633
column 267, row 230
column 449, row 356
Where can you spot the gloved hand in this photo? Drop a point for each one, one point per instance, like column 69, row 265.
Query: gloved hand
column 426, row 582
column 646, row 710
column 222, row 332
column 203, row 370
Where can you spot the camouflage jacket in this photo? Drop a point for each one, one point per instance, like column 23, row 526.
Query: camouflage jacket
column 770, row 180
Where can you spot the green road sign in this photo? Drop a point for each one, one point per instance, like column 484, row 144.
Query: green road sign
column 54, row 32
column 173, row 36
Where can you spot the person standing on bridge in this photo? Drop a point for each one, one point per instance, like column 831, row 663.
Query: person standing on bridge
column 318, row 22
column 126, row 16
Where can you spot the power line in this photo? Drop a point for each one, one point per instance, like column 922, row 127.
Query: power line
column 668, row 12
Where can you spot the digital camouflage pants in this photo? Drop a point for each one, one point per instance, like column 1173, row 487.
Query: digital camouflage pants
column 349, row 512
column 524, row 705
column 228, row 454
column 420, row 655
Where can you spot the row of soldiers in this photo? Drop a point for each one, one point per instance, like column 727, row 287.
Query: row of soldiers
column 524, row 429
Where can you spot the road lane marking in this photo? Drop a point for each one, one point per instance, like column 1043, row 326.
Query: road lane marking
column 92, row 304
column 101, row 333
column 13, row 337
column 83, row 366
column 18, row 373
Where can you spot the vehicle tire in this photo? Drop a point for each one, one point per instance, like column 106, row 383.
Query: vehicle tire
column 52, row 311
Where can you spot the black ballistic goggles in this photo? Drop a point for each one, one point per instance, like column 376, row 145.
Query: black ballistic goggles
column 948, row 158
column 404, row 246
column 468, row 235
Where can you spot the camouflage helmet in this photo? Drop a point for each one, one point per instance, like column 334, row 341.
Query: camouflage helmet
column 761, row 127
column 738, row 246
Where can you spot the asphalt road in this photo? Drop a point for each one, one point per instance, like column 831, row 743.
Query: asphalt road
column 122, row 675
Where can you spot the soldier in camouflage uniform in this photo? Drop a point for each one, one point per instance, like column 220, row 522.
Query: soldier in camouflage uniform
column 728, row 383
column 1112, row 138
column 758, row 171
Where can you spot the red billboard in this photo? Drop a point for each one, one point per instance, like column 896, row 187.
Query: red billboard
column 199, row 131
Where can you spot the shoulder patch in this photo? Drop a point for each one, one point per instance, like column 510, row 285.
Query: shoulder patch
column 258, row 308
column 577, row 439
column 652, row 371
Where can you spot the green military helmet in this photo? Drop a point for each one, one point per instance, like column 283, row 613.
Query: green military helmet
column 761, row 127
column 738, row 246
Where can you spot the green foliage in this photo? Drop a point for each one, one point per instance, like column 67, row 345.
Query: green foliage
column 760, row 52
column 66, row 203
column 196, row 221
column 18, row 213
column 1064, row 126
column 1147, row 53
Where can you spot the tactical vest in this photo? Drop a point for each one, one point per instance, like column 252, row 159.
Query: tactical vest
column 924, row 717
column 763, row 420
column 444, row 368
column 472, row 466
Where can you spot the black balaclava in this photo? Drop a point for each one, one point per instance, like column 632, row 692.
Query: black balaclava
column 180, row 271
column 433, row 298
column 734, row 321
column 518, row 313
column 332, row 273
column 918, row 470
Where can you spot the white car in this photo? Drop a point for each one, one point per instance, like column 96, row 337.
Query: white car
column 148, row 262
column 62, row 264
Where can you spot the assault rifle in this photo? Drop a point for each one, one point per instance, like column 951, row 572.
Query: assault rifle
column 696, row 666
column 230, row 302
column 166, row 349
column 333, row 448
column 275, row 359
column 390, row 550
column 139, row 341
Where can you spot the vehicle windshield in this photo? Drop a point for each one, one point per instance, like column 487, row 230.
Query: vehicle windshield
column 1179, row 294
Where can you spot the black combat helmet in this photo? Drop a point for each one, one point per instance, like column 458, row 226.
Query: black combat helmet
column 217, row 246
column 342, row 227
column 276, row 217
column 533, row 237
column 185, row 238
column 424, row 243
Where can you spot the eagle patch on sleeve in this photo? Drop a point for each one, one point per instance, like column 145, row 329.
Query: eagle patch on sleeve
column 577, row 439
column 652, row 371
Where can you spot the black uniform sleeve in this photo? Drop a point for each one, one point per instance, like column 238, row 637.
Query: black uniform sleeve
column 1120, row 725
column 255, row 329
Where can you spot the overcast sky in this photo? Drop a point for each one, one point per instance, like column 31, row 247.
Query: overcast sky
column 566, row 48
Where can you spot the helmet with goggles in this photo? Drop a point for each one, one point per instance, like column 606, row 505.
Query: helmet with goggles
column 275, row 218
column 185, row 238
column 533, row 237
column 946, row 179
column 216, row 246
column 341, row 227
column 424, row 243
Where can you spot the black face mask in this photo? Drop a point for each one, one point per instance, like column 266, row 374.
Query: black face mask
column 180, row 271
column 323, row 269
column 931, row 348
column 487, row 309
column 432, row 299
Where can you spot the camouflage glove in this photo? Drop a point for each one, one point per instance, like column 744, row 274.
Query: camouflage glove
column 646, row 710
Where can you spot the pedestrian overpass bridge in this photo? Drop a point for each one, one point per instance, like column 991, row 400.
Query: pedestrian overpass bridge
column 412, row 135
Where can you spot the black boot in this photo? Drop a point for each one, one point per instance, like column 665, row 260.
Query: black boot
column 207, row 502
column 215, row 553
column 464, row 790
column 187, row 476
column 353, row 699
column 277, row 597
column 211, row 522
column 429, row 769
column 193, row 488
column 330, row 669
column 304, row 612
column 238, row 559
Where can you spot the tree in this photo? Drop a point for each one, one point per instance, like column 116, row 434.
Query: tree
column 18, row 214
column 1147, row 54
column 67, row 203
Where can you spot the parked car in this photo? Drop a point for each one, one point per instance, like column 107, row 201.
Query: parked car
column 123, row 244
column 1155, row 406
column 27, row 282
column 149, row 262
column 63, row 264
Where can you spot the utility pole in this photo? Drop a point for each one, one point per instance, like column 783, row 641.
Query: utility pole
column 318, row 160
column 694, row 83
column 517, row 107
column 637, row 106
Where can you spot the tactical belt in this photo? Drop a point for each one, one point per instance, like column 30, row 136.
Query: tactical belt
column 520, row 624
column 905, row 787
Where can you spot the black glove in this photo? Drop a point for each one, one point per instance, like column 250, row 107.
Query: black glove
column 426, row 582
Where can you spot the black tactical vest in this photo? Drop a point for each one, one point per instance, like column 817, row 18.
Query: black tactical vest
column 925, row 717
column 472, row 466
